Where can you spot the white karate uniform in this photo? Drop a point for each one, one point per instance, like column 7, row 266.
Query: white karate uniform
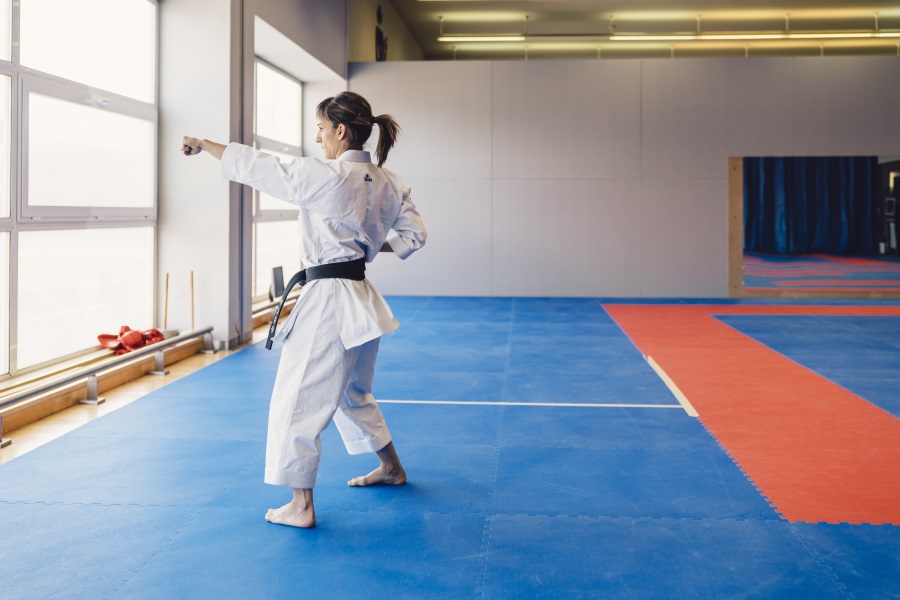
column 348, row 208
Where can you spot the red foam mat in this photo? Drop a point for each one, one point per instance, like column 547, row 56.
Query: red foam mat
column 818, row 452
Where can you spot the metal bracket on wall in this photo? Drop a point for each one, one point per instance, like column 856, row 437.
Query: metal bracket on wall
column 159, row 364
column 3, row 443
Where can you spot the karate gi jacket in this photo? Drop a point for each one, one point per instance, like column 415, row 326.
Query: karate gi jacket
column 348, row 208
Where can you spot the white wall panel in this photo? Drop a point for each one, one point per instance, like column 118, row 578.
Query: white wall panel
column 684, row 237
column 444, row 110
column 697, row 111
column 633, row 193
column 566, row 119
column 847, row 106
column 456, row 259
column 193, row 224
column 566, row 238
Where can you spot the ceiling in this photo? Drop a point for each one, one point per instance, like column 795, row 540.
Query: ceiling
column 583, row 28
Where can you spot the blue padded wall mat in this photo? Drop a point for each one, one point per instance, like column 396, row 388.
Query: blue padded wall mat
column 164, row 497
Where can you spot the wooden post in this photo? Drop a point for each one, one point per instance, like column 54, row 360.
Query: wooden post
column 192, row 300
column 166, row 305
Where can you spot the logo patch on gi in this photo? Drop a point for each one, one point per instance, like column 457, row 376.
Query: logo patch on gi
column 367, row 178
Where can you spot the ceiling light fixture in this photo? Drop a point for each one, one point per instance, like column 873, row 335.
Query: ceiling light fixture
column 481, row 38
column 698, row 36
column 673, row 37
column 813, row 35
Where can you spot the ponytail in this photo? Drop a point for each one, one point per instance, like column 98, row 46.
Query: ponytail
column 388, row 130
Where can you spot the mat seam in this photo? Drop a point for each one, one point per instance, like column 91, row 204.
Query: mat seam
column 114, row 593
column 743, row 471
column 198, row 510
column 488, row 513
column 826, row 568
column 498, row 438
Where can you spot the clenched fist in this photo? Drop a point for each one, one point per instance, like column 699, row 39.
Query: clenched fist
column 190, row 146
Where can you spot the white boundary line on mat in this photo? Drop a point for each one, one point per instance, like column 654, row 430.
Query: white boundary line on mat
column 682, row 399
column 565, row 404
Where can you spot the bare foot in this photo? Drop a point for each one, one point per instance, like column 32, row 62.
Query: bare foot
column 299, row 512
column 383, row 475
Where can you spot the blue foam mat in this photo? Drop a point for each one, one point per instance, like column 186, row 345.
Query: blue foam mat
column 610, row 428
column 81, row 551
column 440, row 481
column 568, row 351
column 700, row 483
column 637, row 558
column 234, row 553
column 862, row 558
column 126, row 471
column 166, row 414
column 472, row 386
column 164, row 498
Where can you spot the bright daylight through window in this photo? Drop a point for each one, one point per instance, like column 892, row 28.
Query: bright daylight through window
column 278, row 131
column 87, row 30
column 77, row 217
column 107, row 275
column 69, row 162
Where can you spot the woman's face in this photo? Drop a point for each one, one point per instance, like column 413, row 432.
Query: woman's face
column 332, row 139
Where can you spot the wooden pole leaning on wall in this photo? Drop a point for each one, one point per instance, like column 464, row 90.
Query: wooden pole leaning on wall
column 192, row 300
column 166, row 305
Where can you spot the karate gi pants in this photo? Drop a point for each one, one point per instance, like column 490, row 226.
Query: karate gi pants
column 319, row 380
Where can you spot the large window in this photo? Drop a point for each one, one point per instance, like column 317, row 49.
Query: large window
column 277, row 130
column 69, row 159
column 278, row 246
column 107, row 275
column 78, row 145
column 5, row 143
column 5, row 29
column 106, row 44
column 279, row 99
column 4, row 302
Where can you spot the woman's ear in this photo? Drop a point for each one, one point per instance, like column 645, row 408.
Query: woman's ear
column 341, row 131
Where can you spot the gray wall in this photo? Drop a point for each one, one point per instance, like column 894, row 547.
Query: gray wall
column 317, row 26
column 604, row 178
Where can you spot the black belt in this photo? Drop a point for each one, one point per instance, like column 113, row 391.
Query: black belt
column 354, row 269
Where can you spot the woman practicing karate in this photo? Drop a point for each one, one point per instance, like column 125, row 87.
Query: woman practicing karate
column 350, row 209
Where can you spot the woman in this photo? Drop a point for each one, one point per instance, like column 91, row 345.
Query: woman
column 350, row 209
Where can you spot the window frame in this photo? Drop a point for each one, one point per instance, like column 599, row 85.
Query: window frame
column 267, row 144
column 99, row 100
column 9, row 70
column 26, row 218
column 259, row 214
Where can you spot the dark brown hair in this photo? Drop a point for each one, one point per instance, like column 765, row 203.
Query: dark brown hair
column 355, row 113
